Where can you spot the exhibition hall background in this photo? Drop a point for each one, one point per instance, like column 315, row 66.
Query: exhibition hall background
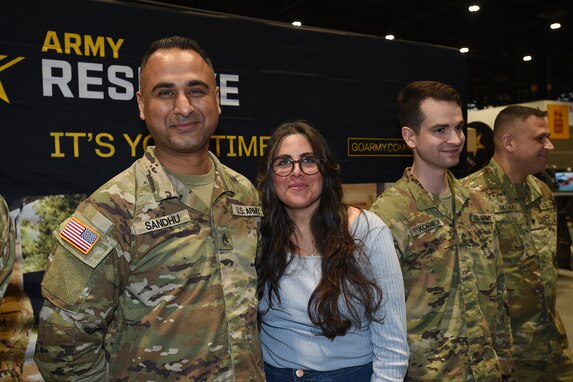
column 69, row 120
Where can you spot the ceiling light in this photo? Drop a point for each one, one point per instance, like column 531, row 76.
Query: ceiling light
column 527, row 58
column 473, row 8
column 464, row 49
column 297, row 23
column 389, row 37
column 555, row 26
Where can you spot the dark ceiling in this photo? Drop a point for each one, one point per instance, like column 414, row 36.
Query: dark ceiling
column 498, row 36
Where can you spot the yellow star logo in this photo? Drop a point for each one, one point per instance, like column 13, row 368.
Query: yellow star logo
column 3, row 95
column 479, row 145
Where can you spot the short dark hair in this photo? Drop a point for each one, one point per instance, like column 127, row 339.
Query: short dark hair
column 510, row 114
column 412, row 95
column 179, row 42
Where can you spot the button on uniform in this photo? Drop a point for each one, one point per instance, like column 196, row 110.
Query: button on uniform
column 299, row 373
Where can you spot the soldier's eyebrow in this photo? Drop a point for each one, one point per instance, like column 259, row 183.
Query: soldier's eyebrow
column 170, row 85
column 163, row 84
column 541, row 135
column 197, row 83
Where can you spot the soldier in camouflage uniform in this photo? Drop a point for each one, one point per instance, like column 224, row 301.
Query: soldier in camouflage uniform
column 445, row 237
column 153, row 276
column 7, row 256
column 7, row 246
column 526, row 218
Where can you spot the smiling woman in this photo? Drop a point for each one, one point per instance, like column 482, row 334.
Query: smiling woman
column 308, row 231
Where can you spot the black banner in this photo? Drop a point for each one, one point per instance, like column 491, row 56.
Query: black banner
column 69, row 73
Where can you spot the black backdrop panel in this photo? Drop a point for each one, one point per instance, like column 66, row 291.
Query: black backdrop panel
column 69, row 73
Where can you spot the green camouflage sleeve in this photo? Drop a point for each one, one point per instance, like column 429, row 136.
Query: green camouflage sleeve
column 7, row 246
column 503, row 340
column 60, row 336
column 81, row 292
column 16, row 323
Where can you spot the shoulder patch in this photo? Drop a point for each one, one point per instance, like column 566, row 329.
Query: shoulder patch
column 426, row 226
column 481, row 218
column 546, row 205
column 79, row 235
column 246, row 210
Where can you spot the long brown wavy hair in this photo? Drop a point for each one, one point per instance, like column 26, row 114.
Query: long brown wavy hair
column 343, row 270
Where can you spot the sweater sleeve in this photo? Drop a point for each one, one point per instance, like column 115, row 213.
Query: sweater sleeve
column 389, row 336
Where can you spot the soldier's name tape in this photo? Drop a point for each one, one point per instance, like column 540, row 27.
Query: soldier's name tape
column 511, row 207
column 430, row 224
column 247, row 210
column 162, row 222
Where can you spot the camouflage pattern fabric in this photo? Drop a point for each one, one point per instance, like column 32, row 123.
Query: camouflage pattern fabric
column 16, row 323
column 527, row 226
column 557, row 370
column 455, row 291
column 167, row 288
column 7, row 246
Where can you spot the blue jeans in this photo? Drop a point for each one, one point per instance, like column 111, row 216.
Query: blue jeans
column 354, row 374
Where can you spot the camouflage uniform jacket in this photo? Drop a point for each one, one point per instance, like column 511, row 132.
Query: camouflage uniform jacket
column 456, row 308
column 7, row 246
column 168, row 290
column 527, row 227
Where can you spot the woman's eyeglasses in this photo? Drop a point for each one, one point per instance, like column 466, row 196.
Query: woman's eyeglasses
column 285, row 166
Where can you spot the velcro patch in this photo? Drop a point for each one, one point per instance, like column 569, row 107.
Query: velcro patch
column 546, row 205
column 509, row 207
column 79, row 235
column 162, row 222
column 246, row 210
column 481, row 218
column 426, row 226
column 224, row 238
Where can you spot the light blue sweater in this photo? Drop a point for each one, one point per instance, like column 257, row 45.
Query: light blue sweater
column 290, row 340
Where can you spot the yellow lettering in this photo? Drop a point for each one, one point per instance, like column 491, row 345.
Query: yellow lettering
column 231, row 139
column 146, row 141
column 239, row 145
column 263, row 143
column 51, row 42
column 75, row 139
column 57, row 148
column 217, row 139
column 115, row 46
column 99, row 140
column 72, row 41
column 92, row 48
column 132, row 144
column 252, row 146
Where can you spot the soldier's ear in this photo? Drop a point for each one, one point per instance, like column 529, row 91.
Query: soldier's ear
column 508, row 143
column 409, row 136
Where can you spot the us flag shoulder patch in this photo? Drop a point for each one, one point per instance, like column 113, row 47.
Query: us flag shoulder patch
column 79, row 235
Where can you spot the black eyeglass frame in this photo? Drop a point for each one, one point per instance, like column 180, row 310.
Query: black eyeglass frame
column 299, row 161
